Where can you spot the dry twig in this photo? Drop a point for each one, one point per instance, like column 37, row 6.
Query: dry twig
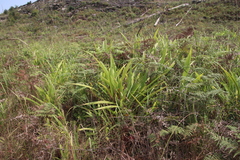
column 160, row 12
column 183, row 16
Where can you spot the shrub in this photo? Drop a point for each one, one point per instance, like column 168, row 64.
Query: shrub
column 34, row 12
column 5, row 11
column 30, row 2
column 70, row 8
column 13, row 15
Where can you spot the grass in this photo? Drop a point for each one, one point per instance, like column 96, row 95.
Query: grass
column 90, row 88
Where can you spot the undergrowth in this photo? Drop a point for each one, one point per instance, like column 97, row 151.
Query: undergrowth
column 114, row 92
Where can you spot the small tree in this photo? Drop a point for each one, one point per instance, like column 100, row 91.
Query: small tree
column 30, row 2
column 5, row 11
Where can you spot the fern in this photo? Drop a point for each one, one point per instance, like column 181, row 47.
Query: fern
column 211, row 157
column 177, row 131
column 236, row 133
column 228, row 144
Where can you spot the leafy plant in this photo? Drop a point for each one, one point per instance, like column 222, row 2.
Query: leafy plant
column 177, row 133
column 229, row 144
column 155, row 99
column 13, row 15
column 127, row 87
column 232, row 85
column 5, row 11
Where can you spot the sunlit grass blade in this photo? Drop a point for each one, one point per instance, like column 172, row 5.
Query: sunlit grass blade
column 98, row 102
column 187, row 64
column 232, row 86
column 82, row 85
column 86, row 129
column 107, row 107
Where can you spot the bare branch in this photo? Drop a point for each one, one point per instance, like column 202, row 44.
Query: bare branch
column 160, row 12
column 183, row 17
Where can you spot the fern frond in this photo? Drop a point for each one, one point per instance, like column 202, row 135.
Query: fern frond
column 211, row 157
column 226, row 143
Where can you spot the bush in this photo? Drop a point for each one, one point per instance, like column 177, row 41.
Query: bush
column 70, row 8
column 34, row 12
column 30, row 2
column 13, row 15
column 5, row 11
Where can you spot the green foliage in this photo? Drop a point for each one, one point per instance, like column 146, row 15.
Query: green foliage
column 141, row 96
column 70, row 8
column 34, row 12
column 55, row 83
column 127, row 86
column 177, row 133
column 5, row 11
column 13, row 15
column 187, row 65
column 231, row 145
column 232, row 86
column 3, row 110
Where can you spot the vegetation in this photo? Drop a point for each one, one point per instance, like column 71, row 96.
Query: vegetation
column 81, row 84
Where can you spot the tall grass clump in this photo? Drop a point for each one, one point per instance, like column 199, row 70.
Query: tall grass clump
column 50, row 103
column 128, row 89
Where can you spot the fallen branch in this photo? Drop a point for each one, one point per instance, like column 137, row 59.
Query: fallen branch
column 183, row 17
column 182, row 5
column 160, row 12
column 157, row 21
